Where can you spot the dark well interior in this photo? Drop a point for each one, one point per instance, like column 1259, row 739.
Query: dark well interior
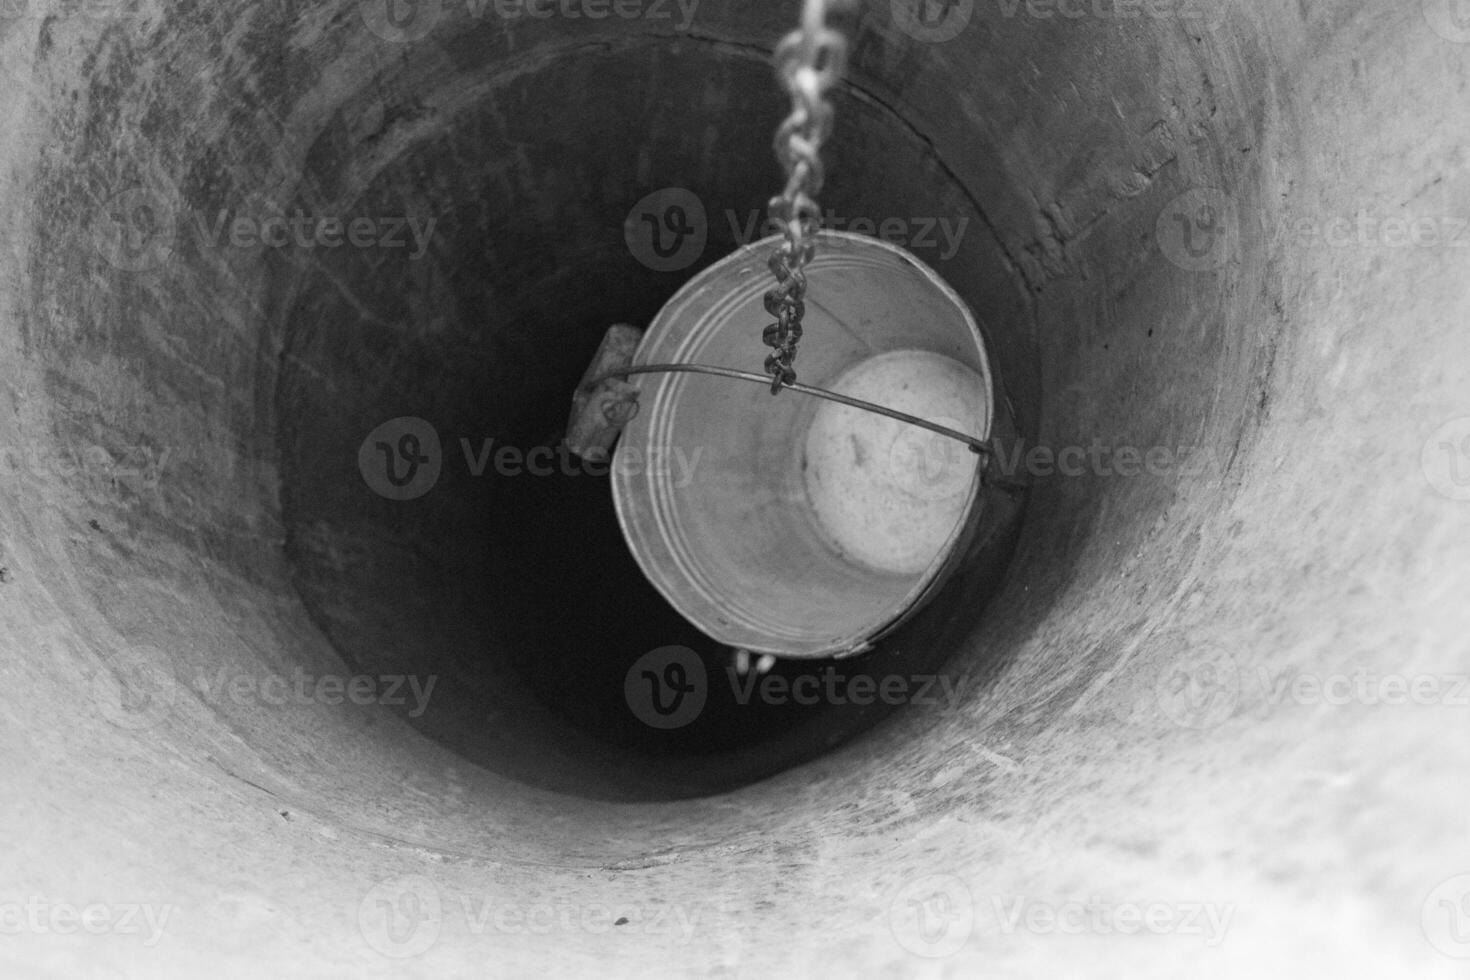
column 182, row 499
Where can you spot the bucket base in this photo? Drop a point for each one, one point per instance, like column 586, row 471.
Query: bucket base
column 886, row 493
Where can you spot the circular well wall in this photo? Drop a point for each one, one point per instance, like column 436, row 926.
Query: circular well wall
column 185, row 503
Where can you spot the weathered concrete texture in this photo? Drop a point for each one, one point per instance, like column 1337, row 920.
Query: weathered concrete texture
column 1315, row 374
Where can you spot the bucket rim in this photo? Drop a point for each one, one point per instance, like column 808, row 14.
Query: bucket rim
column 651, row 526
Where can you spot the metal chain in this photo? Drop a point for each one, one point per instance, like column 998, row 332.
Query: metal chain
column 810, row 62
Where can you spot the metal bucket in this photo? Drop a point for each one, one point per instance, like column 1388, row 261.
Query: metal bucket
column 791, row 525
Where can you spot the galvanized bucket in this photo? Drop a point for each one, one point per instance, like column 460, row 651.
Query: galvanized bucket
column 791, row 525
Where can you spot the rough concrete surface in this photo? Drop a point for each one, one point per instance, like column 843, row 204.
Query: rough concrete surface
column 1236, row 242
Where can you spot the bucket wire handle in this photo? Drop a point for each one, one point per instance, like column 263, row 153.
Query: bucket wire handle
column 624, row 410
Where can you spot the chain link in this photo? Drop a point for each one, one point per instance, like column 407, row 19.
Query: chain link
column 810, row 62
